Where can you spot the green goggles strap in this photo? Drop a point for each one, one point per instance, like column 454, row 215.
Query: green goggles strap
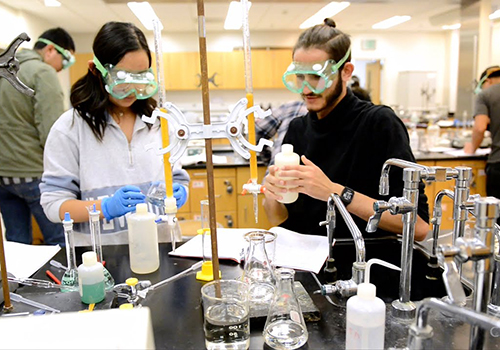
column 58, row 48
column 100, row 67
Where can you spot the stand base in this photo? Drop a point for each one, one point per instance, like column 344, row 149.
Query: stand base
column 206, row 273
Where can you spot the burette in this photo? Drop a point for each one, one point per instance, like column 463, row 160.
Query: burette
column 170, row 202
column 252, row 186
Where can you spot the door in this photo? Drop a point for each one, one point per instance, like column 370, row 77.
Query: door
column 373, row 71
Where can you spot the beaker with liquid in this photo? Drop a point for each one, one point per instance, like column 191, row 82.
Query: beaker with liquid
column 259, row 274
column 285, row 327
column 226, row 315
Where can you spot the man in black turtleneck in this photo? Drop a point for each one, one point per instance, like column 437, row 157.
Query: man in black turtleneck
column 343, row 143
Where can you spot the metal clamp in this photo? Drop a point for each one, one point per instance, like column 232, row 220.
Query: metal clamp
column 232, row 129
column 9, row 65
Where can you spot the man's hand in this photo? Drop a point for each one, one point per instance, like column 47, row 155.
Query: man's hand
column 271, row 184
column 311, row 180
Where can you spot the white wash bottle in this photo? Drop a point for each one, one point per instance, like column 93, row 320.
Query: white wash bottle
column 287, row 157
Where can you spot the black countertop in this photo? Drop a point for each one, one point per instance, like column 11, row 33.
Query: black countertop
column 235, row 160
column 177, row 313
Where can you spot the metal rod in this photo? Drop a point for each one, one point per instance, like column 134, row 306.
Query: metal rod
column 208, row 141
column 7, row 306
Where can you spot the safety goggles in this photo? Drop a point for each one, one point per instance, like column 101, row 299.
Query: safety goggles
column 316, row 76
column 120, row 83
column 479, row 85
column 68, row 58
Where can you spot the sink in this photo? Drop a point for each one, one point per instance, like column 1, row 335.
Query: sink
column 425, row 281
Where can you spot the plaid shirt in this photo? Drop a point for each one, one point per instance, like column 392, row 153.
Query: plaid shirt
column 276, row 125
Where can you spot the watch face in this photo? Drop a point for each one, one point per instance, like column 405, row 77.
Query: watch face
column 347, row 196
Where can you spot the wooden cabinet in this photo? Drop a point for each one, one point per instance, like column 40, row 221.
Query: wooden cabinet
column 226, row 70
column 233, row 210
column 225, row 194
column 478, row 186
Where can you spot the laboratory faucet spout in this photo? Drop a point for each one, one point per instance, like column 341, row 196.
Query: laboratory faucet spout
column 437, row 217
column 359, row 242
column 420, row 333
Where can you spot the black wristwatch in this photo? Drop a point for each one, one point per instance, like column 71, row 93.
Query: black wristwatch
column 346, row 196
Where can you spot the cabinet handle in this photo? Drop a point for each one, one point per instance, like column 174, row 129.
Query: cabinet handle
column 199, row 174
column 216, row 196
column 229, row 219
column 229, row 188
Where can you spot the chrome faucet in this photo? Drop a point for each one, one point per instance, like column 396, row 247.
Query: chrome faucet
column 330, row 269
column 480, row 250
column 407, row 205
column 349, row 287
column 420, row 332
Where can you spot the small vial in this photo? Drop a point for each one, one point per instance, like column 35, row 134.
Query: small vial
column 70, row 277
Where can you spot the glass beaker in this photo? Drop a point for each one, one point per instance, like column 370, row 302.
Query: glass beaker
column 285, row 327
column 226, row 319
column 259, row 274
column 156, row 196
column 205, row 226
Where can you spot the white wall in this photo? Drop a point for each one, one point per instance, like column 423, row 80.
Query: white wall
column 495, row 44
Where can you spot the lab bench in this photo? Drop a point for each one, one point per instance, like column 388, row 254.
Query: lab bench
column 177, row 317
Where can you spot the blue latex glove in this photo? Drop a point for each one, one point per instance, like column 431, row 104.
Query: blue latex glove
column 123, row 201
column 180, row 194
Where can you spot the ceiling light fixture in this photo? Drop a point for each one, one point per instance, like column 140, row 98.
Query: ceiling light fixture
column 494, row 15
column 234, row 17
column 145, row 13
column 452, row 26
column 329, row 10
column 52, row 3
column 391, row 22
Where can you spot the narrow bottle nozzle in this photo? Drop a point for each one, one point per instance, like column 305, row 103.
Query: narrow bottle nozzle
column 379, row 262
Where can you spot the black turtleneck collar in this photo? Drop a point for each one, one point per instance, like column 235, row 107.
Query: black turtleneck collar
column 339, row 115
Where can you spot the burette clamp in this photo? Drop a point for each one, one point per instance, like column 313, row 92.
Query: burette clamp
column 181, row 131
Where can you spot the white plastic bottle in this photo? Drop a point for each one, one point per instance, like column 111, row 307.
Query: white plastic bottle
column 433, row 135
column 287, row 157
column 414, row 140
column 365, row 317
column 91, row 279
column 143, row 240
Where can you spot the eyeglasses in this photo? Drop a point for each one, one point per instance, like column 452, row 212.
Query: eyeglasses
column 68, row 58
column 317, row 76
column 120, row 83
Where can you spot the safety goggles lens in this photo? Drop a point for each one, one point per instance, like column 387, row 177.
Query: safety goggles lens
column 317, row 76
column 315, row 83
column 120, row 83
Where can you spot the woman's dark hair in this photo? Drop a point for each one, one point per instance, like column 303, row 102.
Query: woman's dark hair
column 325, row 37
column 88, row 95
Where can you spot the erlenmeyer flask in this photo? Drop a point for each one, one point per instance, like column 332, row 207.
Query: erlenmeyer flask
column 285, row 327
column 259, row 274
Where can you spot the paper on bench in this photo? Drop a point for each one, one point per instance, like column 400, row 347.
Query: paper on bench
column 293, row 250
